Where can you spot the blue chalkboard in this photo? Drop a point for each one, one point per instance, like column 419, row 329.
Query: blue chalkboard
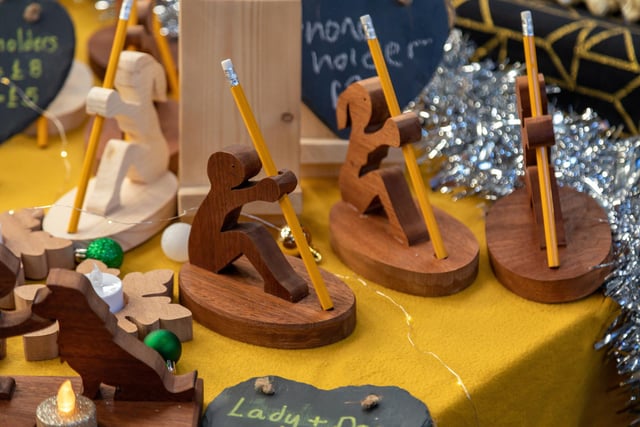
column 35, row 58
column 335, row 52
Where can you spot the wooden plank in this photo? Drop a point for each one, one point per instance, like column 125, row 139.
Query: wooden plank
column 263, row 39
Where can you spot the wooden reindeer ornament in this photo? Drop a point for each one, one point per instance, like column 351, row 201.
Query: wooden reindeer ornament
column 545, row 243
column 133, row 186
column 93, row 345
column 238, row 282
column 14, row 322
column 377, row 229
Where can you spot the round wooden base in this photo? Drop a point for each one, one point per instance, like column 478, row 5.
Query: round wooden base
column 168, row 117
column 364, row 243
column 143, row 211
column 520, row 263
column 234, row 304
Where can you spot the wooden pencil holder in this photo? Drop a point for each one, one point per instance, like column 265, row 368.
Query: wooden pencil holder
column 238, row 282
column 377, row 228
column 515, row 230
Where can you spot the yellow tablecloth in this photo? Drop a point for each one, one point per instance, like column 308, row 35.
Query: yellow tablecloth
column 523, row 363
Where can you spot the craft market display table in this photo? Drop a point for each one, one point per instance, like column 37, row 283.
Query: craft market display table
column 522, row 363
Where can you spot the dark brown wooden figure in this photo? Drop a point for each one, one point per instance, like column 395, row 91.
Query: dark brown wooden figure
column 238, row 282
column 92, row 344
column 377, row 228
column 370, row 189
column 217, row 239
column 538, row 132
column 515, row 229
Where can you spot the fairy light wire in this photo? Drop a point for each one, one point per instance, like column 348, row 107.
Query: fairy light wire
column 409, row 321
column 64, row 154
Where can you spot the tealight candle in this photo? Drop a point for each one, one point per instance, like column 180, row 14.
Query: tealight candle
column 108, row 287
column 67, row 409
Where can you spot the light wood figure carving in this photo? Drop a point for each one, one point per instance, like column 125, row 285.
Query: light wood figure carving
column 377, row 228
column 515, row 231
column 217, row 238
column 237, row 281
column 94, row 346
column 39, row 251
column 147, row 307
column 19, row 321
column 133, row 186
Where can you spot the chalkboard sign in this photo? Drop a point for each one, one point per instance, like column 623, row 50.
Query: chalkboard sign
column 335, row 52
column 297, row 404
column 37, row 43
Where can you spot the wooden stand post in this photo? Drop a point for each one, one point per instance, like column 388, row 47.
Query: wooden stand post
column 264, row 40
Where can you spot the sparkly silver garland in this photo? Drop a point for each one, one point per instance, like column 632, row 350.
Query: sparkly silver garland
column 468, row 113
column 168, row 12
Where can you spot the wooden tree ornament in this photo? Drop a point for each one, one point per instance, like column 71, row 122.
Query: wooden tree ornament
column 238, row 282
column 515, row 232
column 377, row 229
column 133, row 186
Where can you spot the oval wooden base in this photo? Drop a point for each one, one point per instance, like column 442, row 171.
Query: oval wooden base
column 234, row 305
column 364, row 243
column 520, row 263
column 143, row 211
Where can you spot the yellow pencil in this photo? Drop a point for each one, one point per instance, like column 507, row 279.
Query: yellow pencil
column 407, row 149
column 270, row 168
column 544, row 178
column 166, row 56
column 42, row 131
column 96, row 129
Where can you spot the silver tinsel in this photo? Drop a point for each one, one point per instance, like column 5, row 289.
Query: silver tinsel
column 472, row 127
column 167, row 11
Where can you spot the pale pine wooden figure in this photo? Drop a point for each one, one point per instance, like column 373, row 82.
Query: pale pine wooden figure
column 133, row 186
column 144, row 157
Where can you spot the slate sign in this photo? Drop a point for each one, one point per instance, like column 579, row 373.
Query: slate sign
column 302, row 405
column 35, row 58
column 335, row 52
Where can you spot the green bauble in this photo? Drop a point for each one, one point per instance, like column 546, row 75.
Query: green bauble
column 166, row 343
column 106, row 250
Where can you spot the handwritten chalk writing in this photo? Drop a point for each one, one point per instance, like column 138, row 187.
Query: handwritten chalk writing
column 280, row 416
column 283, row 416
column 331, row 30
column 25, row 42
column 349, row 422
column 16, row 71
column 12, row 99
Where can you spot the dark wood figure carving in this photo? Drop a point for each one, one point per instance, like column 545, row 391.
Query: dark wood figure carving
column 538, row 132
column 377, row 228
column 94, row 346
column 369, row 188
column 217, row 239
